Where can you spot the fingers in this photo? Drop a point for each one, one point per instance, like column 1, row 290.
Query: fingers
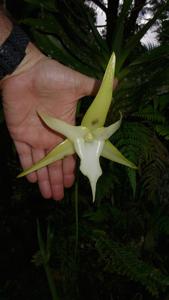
column 42, row 174
column 69, row 171
column 51, row 179
column 61, row 174
column 56, row 180
column 26, row 160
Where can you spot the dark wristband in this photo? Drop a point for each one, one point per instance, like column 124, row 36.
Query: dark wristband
column 12, row 51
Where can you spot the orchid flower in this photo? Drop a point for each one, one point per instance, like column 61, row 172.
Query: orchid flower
column 90, row 139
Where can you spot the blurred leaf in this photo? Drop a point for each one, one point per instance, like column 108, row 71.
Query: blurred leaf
column 49, row 5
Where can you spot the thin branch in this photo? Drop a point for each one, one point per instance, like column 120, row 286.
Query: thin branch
column 131, row 24
column 112, row 13
column 100, row 4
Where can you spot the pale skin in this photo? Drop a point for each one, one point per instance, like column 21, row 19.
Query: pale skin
column 42, row 84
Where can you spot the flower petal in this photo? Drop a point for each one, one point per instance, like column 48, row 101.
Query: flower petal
column 60, row 151
column 112, row 153
column 105, row 132
column 69, row 131
column 97, row 112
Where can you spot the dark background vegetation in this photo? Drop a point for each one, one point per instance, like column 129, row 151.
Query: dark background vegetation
column 117, row 248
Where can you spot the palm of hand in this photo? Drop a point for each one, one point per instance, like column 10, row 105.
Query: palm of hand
column 52, row 88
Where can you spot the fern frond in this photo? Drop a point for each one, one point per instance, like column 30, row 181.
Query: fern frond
column 135, row 132
column 163, row 130
column 154, row 168
column 148, row 113
column 124, row 260
column 139, row 144
column 132, row 179
column 134, row 140
column 153, row 117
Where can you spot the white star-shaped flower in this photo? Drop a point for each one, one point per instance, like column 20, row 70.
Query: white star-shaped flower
column 90, row 140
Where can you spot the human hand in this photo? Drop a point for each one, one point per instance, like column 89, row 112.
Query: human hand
column 42, row 84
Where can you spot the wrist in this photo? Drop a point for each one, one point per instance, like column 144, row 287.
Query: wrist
column 32, row 56
column 17, row 53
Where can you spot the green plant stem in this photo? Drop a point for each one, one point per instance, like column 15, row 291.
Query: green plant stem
column 76, row 219
column 44, row 255
column 51, row 282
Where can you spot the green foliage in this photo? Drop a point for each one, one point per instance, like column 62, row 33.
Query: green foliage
column 122, row 238
column 163, row 130
column 124, row 260
column 113, row 240
column 149, row 114
column 49, row 6
column 113, row 250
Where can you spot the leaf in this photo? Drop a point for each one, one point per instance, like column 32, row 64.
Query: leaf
column 151, row 55
column 120, row 26
column 148, row 113
column 98, row 37
column 132, row 179
column 48, row 24
column 135, row 39
column 124, row 260
column 163, row 130
column 49, row 5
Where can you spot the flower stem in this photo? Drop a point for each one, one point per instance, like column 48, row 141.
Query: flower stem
column 76, row 219
column 46, row 266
